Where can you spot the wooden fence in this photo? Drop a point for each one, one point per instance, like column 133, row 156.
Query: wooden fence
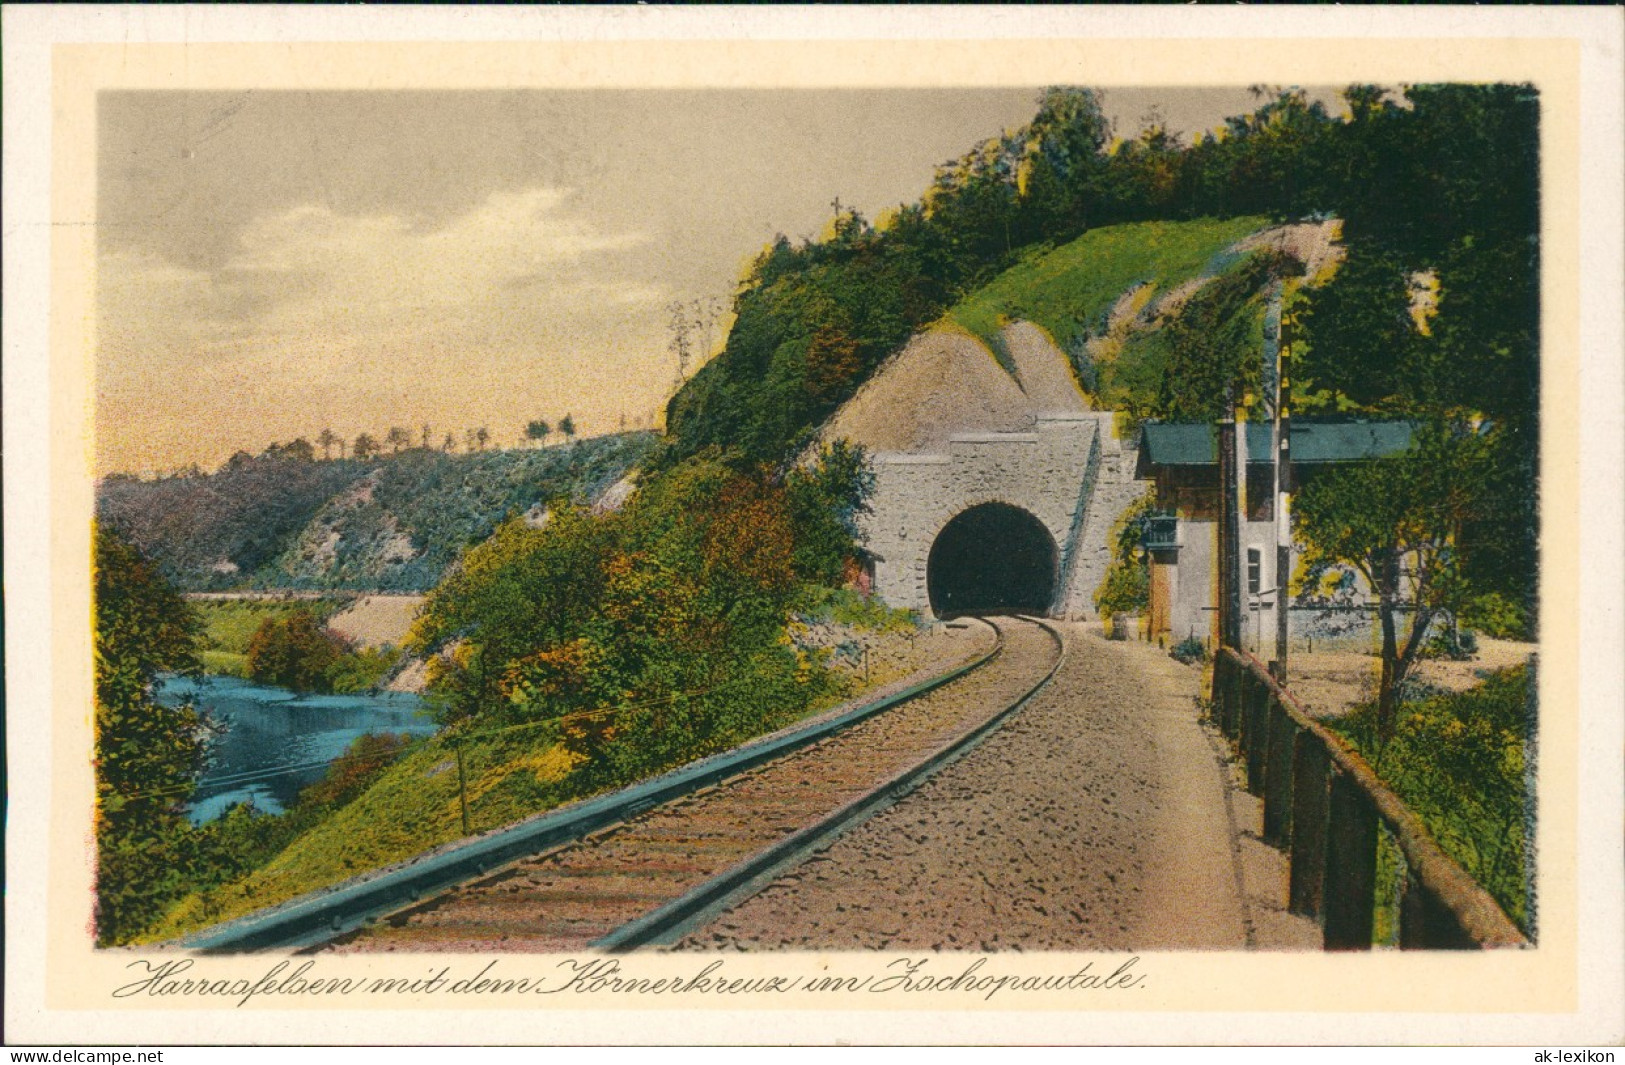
column 1323, row 805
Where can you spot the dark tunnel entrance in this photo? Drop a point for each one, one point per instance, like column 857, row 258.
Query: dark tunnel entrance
column 992, row 558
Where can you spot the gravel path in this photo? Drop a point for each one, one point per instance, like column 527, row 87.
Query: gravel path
column 1102, row 817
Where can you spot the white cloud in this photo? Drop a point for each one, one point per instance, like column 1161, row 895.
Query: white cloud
column 311, row 272
column 517, row 307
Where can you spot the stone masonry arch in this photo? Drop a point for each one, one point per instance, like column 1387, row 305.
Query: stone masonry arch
column 951, row 425
column 1051, row 472
column 992, row 557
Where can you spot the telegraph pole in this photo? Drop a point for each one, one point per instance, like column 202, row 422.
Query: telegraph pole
column 1232, row 447
column 1283, row 487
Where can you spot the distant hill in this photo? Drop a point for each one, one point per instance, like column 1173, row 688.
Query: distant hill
column 393, row 523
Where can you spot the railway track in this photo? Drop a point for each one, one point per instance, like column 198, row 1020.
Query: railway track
column 653, row 876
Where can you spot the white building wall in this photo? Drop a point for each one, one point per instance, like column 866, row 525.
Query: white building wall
column 1194, row 583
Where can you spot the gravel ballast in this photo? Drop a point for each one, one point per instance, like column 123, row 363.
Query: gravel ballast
column 1102, row 817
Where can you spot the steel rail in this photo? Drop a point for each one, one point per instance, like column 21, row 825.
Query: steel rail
column 319, row 917
column 707, row 901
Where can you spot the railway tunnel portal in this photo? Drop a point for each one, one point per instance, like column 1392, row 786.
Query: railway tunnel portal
column 992, row 558
column 952, row 426
column 1000, row 521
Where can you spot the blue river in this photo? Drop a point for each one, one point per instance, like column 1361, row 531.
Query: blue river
column 261, row 730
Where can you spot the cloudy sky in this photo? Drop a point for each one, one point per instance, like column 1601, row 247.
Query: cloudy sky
column 273, row 264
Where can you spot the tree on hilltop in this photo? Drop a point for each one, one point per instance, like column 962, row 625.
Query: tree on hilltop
column 398, row 438
column 567, row 426
column 326, row 441
column 299, row 450
column 538, row 431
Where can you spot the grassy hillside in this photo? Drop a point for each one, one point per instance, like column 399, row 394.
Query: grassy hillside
column 1070, row 290
column 229, row 624
column 392, row 523
column 1106, row 298
column 412, row 808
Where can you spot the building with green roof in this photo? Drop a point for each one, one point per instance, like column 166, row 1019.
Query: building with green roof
column 1182, row 536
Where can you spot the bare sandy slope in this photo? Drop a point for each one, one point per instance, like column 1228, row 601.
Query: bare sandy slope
column 1042, row 370
column 943, row 382
column 377, row 620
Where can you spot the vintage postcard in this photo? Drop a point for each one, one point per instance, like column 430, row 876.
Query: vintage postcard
column 625, row 525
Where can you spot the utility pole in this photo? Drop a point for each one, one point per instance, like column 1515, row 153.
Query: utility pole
column 1283, row 487
column 462, row 783
column 1232, row 467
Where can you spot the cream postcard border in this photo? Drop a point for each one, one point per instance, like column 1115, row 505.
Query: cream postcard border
column 58, row 987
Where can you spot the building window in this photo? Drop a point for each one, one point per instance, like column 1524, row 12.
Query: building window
column 1161, row 532
column 1255, row 567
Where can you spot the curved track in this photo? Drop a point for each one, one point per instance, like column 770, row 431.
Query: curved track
column 655, row 875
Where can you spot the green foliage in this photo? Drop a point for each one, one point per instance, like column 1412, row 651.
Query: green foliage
column 1497, row 616
column 293, row 651
column 1190, row 651
column 1445, row 186
column 810, row 325
column 1461, row 762
column 145, row 753
column 826, row 500
column 147, row 756
column 844, row 606
column 1395, row 522
column 652, row 635
column 1126, row 590
column 1361, row 339
column 1215, row 344
column 362, row 670
column 353, row 771
column 224, row 663
column 140, row 874
column 525, row 588
column 1127, row 587
column 229, row 624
